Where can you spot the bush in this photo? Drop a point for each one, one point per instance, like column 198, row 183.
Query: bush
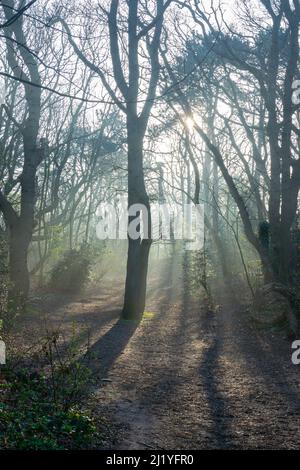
column 31, row 420
column 40, row 409
column 72, row 272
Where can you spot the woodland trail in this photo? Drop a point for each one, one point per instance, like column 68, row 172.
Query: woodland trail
column 190, row 378
column 186, row 378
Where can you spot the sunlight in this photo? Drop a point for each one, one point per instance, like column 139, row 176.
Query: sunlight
column 224, row 108
column 189, row 123
column 149, row 228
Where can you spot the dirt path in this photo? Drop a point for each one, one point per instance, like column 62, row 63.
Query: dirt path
column 192, row 379
column 185, row 378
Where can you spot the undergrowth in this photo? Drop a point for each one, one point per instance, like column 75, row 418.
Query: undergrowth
column 41, row 405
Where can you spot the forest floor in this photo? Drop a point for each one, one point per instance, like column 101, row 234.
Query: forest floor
column 186, row 377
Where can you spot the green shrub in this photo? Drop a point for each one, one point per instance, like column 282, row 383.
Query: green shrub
column 33, row 424
column 72, row 271
column 40, row 406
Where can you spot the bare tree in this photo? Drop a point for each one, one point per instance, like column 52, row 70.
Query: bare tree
column 142, row 38
column 20, row 221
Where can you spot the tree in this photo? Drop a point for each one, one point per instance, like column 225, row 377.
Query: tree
column 20, row 223
column 143, row 39
column 268, row 62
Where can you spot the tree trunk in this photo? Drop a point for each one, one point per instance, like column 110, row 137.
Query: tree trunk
column 285, row 256
column 138, row 250
column 18, row 268
column 136, row 279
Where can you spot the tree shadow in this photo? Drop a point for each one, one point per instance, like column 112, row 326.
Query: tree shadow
column 270, row 359
column 103, row 354
column 209, row 370
column 211, row 378
column 168, row 374
column 271, row 384
column 165, row 371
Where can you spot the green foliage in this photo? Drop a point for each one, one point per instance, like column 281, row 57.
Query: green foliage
column 33, row 423
column 68, row 377
column 40, row 408
column 71, row 273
